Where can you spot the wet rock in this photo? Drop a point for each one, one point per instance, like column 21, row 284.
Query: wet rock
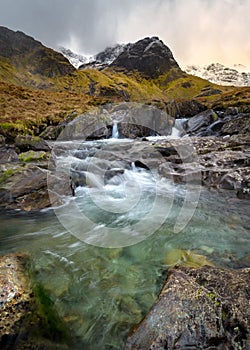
column 198, row 124
column 205, row 308
column 26, row 189
column 135, row 120
column 22, row 322
column 27, row 142
column 214, row 162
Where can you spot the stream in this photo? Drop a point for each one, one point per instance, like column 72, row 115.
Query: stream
column 103, row 254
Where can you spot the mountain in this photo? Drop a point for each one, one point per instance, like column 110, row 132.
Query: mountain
column 149, row 56
column 39, row 87
column 20, row 51
column 219, row 74
column 75, row 59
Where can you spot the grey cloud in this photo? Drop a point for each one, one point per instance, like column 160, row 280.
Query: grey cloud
column 198, row 31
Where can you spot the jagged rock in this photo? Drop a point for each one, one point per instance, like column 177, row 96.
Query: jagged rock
column 184, row 109
column 204, row 308
column 8, row 154
column 27, row 142
column 51, row 132
column 198, row 124
column 211, row 161
column 239, row 124
column 149, row 56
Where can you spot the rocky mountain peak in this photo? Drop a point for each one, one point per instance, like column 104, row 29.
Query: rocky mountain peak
column 149, row 56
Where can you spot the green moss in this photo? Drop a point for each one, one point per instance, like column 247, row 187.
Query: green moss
column 213, row 298
column 52, row 326
column 32, row 156
column 6, row 175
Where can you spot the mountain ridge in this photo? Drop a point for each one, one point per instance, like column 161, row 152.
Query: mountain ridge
column 220, row 74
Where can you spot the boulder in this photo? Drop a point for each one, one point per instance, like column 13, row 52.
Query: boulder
column 198, row 308
column 92, row 125
column 239, row 124
column 8, row 154
column 23, row 325
column 26, row 189
column 136, row 120
column 198, row 124
column 28, row 142
column 184, row 109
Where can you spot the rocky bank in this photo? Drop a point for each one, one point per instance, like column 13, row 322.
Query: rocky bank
column 206, row 308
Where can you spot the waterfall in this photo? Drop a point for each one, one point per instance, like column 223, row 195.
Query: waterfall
column 115, row 132
column 178, row 129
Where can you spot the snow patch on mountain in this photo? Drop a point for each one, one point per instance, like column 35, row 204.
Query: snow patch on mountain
column 217, row 73
column 75, row 59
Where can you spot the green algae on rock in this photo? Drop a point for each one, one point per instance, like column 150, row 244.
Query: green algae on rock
column 26, row 321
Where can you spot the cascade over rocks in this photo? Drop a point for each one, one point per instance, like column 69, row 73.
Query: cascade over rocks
column 204, row 308
column 135, row 120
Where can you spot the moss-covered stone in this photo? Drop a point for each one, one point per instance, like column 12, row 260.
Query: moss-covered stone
column 27, row 318
column 33, row 156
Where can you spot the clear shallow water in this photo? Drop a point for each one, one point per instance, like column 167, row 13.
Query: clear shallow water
column 101, row 293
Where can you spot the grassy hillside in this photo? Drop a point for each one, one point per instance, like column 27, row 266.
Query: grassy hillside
column 39, row 88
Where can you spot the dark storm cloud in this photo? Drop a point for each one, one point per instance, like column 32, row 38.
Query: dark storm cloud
column 88, row 23
column 197, row 31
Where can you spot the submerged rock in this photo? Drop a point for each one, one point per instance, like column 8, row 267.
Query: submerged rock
column 205, row 308
column 22, row 323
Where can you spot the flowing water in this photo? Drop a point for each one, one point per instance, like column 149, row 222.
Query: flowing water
column 102, row 293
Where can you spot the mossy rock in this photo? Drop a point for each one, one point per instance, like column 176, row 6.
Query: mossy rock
column 28, row 142
column 27, row 316
column 32, row 156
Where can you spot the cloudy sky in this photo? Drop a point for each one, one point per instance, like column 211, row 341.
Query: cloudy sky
column 197, row 31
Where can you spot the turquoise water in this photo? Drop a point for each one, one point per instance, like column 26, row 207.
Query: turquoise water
column 102, row 293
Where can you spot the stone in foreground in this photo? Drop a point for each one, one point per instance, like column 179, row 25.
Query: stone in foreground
column 206, row 308
column 22, row 322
